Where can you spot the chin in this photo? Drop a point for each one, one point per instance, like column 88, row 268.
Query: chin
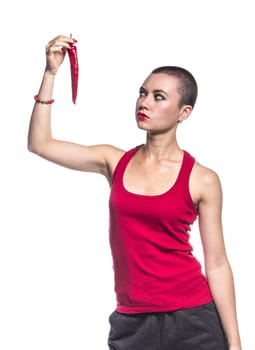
column 141, row 127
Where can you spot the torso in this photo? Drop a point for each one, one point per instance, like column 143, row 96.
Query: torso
column 151, row 213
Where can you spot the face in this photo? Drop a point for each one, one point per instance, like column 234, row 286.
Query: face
column 157, row 107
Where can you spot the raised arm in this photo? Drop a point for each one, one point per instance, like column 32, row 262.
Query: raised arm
column 217, row 267
column 99, row 158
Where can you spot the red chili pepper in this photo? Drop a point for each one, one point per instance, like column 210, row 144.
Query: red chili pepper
column 73, row 58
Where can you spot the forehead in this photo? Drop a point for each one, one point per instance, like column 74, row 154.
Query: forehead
column 161, row 81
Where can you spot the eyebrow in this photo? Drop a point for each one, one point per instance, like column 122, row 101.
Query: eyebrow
column 154, row 91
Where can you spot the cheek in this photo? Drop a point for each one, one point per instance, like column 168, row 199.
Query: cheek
column 166, row 112
column 170, row 111
column 167, row 115
column 137, row 104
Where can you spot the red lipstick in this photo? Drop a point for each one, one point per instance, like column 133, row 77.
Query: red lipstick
column 142, row 116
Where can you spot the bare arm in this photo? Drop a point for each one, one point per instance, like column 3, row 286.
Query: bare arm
column 217, row 267
column 99, row 158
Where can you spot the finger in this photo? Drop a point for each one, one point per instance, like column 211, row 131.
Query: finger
column 56, row 46
column 59, row 44
column 62, row 40
column 68, row 39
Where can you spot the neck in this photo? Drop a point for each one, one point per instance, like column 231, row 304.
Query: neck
column 160, row 146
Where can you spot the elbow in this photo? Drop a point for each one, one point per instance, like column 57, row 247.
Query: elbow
column 219, row 266
column 31, row 147
column 37, row 143
column 35, row 148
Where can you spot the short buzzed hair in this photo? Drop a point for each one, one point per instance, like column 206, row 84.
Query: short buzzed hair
column 187, row 88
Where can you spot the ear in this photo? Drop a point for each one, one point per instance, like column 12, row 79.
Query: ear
column 185, row 112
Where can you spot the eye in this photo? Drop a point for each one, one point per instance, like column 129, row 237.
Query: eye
column 159, row 97
column 142, row 93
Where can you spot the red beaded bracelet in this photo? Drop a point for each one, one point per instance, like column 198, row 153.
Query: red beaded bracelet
column 45, row 102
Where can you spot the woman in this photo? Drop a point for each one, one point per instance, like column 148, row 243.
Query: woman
column 157, row 191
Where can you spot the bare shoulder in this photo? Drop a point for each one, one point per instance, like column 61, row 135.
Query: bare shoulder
column 204, row 183
column 111, row 155
column 110, row 151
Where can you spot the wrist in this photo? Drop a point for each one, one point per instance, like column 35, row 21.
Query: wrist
column 49, row 73
column 43, row 101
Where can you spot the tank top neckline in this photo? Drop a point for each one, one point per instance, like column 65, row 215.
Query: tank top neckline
column 150, row 196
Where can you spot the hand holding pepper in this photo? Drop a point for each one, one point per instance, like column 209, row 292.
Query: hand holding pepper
column 55, row 52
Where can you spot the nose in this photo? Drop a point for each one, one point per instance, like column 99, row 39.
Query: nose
column 143, row 103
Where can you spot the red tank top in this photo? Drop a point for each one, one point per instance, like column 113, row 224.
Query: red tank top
column 153, row 264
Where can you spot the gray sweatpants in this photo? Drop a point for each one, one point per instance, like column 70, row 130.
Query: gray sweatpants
column 197, row 328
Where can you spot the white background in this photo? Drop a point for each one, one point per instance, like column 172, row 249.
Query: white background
column 56, row 282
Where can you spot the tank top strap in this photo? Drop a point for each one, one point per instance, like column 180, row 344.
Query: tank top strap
column 122, row 164
column 182, row 183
